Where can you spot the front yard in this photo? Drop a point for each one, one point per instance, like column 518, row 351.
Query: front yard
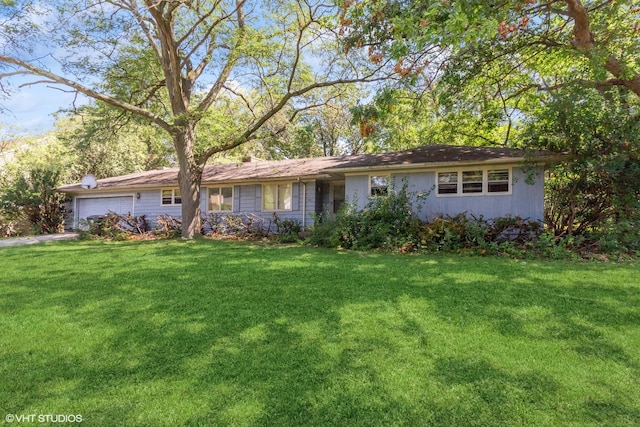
column 224, row 333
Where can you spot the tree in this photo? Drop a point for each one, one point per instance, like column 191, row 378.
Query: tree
column 600, row 184
column 429, row 37
column 170, row 62
column 33, row 194
column 28, row 180
column 332, row 128
column 326, row 130
column 497, row 60
column 105, row 142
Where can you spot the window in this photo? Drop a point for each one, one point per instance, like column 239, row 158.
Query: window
column 276, row 197
column 447, row 182
column 171, row 197
column 338, row 196
column 220, row 199
column 498, row 181
column 379, row 185
column 474, row 182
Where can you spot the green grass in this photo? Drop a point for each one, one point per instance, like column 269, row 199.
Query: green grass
column 223, row 333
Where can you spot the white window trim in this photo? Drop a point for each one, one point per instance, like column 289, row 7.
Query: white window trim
column 277, row 184
column 173, row 197
column 485, row 182
column 389, row 185
column 220, row 187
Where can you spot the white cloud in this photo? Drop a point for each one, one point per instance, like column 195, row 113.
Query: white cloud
column 30, row 109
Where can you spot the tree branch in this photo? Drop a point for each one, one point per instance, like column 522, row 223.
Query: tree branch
column 585, row 41
column 89, row 92
column 232, row 58
column 251, row 130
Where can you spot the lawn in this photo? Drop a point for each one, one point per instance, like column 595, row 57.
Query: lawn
column 226, row 333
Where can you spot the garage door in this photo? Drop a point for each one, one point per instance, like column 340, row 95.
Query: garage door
column 103, row 205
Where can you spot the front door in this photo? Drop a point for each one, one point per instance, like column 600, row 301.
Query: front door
column 338, row 195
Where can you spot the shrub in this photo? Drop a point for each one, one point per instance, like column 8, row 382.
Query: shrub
column 617, row 237
column 286, row 230
column 33, row 196
column 385, row 222
column 14, row 224
column 388, row 223
column 241, row 226
column 168, row 226
column 547, row 245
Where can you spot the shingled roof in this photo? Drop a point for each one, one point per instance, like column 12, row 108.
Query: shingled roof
column 315, row 168
column 222, row 173
column 433, row 155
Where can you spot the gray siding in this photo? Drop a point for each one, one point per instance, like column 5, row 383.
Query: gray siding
column 150, row 204
column 526, row 200
column 356, row 189
column 247, row 199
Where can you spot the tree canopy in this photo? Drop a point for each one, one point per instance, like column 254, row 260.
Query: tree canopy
column 172, row 62
column 499, row 60
column 561, row 75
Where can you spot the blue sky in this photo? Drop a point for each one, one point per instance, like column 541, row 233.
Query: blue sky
column 30, row 109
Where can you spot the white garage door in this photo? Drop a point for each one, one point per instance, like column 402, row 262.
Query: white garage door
column 103, row 205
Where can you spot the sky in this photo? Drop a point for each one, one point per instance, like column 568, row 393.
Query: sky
column 30, row 110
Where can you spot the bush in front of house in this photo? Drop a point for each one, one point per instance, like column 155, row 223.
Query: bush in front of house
column 386, row 222
column 389, row 223
column 246, row 226
column 460, row 232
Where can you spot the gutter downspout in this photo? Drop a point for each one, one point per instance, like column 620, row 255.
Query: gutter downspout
column 304, row 203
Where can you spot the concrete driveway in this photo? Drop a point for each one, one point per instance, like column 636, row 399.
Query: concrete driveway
column 30, row 240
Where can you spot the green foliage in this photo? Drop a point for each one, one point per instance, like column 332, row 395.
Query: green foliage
column 386, row 222
column 617, row 236
column 34, row 195
column 286, row 230
column 389, row 223
column 599, row 185
column 14, row 224
column 104, row 142
column 484, row 66
column 513, row 236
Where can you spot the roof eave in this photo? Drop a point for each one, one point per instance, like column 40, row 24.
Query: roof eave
column 434, row 165
column 204, row 183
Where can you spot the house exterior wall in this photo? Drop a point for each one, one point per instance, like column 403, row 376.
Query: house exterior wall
column 150, row 204
column 247, row 199
column 525, row 200
column 356, row 190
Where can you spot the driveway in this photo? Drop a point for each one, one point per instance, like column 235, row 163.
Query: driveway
column 30, row 240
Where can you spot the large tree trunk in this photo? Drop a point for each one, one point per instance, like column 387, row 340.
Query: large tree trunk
column 189, row 178
column 584, row 40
